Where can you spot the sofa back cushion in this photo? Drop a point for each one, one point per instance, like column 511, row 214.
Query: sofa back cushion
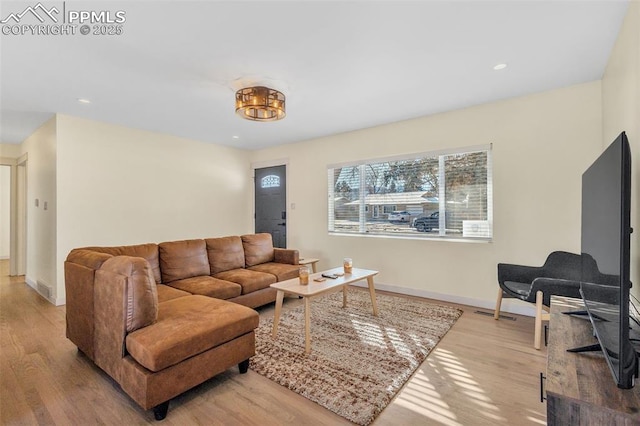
column 225, row 254
column 140, row 293
column 149, row 252
column 258, row 248
column 183, row 259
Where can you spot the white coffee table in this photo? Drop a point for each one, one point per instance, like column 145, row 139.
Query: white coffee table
column 314, row 288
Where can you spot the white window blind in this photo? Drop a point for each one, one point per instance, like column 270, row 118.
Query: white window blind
column 444, row 194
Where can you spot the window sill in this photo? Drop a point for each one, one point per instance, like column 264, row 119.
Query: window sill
column 450, row 239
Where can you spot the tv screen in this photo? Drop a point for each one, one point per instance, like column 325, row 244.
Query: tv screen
column 605, row 246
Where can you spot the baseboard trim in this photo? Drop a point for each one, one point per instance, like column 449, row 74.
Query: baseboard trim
column 34, row 285
column 30, row 282
column 508, row 305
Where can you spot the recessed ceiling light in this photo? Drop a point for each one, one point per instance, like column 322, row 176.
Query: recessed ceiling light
column 235, row 137
column 500, row 67
column 84, row 101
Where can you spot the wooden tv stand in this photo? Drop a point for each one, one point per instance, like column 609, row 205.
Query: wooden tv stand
column 580, row 388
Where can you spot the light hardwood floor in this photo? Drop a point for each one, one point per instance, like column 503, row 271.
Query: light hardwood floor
column 483, row 372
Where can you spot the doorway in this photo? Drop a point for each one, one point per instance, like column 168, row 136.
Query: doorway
column 14, row 189
column 20, row 226
column 5, row 211
column 271, row 203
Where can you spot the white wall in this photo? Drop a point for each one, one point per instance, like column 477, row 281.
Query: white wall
column 541, row 145
column 5, row 210
column 621, row 111
column 41, row 223
column 10, row 150
column 119, row 186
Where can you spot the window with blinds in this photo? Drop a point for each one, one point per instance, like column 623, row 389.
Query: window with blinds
column 444, row 194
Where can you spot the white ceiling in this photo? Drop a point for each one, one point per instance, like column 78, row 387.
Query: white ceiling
column 342, row 65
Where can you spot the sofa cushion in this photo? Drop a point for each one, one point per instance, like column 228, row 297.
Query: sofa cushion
column 188, row 326
column 208, row 286
column 225, row 253
column 148, row 252
column 141, row 297
column 183, row 259
column 258, row 248
column 249, row 280
column 282, row 271
column 166, row 292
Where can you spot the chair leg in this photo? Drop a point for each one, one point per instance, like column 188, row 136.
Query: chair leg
column 496, row 314
column 538, row 329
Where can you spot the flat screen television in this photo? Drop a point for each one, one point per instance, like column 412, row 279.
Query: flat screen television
column 605, row 246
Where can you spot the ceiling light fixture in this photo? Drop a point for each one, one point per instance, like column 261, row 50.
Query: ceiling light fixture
column 500, row 67
column 260, row 104
column 84, row 101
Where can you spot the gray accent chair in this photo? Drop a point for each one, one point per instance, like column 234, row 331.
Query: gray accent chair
column 560, row 275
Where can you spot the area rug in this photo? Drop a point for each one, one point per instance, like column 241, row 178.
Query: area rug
column 358, row 362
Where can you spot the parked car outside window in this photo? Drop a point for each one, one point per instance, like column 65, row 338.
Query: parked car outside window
column 427, row 223
column 399, row 216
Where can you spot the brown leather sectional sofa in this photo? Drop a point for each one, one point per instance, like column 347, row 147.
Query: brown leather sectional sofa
column 158, row 318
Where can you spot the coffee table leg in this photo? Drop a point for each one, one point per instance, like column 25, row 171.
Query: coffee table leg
column 344, row 295
column 372, row 292
column 276, row 316
column 307, row 325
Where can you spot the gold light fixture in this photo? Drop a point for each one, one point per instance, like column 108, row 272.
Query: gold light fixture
column 260, row 104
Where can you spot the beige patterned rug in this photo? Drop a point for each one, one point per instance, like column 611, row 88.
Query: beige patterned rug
column 358, row 362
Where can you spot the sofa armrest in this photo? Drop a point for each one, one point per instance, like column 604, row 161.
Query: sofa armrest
column 141, row 295
column 79, row 276
column 125, row 299
column 288, row 256
column 88, row 258
column 110, row 323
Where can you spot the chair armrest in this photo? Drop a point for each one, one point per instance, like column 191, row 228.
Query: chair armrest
column 517, row 273
column 288, row 256
column 553, row 286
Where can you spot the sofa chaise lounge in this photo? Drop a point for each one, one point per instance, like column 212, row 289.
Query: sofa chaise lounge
column 162, row 318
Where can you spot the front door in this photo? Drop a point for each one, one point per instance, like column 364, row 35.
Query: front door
column 271, row 203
